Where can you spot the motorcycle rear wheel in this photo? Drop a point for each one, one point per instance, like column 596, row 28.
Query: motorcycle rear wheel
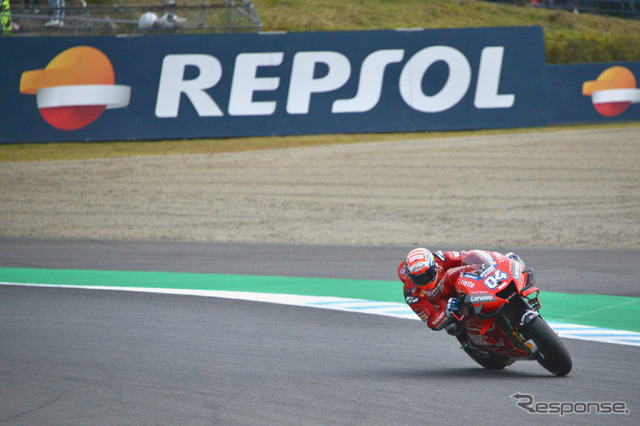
column 552, row 353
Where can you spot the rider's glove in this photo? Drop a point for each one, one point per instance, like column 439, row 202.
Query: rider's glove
column 453, row 307
column 512, row 255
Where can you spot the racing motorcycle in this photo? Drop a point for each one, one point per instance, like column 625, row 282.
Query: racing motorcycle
column 499, row 322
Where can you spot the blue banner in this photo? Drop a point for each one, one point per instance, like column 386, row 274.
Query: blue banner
column 593, row 93
column 209, row 86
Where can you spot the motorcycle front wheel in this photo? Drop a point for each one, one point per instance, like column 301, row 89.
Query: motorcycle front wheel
column 552, row 354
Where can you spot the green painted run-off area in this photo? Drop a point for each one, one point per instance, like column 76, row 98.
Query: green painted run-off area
column 616, row 312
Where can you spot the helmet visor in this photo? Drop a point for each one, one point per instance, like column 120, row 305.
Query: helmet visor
column 425, row 279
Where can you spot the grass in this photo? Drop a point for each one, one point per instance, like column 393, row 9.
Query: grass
column 569, row 37
column 325, row 15
column 88, row 150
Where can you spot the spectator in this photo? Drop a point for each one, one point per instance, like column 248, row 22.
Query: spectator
column 5, row 18
column 34, row 9
column 57, row 19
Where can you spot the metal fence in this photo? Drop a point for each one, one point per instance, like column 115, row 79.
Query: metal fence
column 110, row 17
column 619, row 8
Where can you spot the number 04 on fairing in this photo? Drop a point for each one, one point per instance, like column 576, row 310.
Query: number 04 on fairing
column 500, row 322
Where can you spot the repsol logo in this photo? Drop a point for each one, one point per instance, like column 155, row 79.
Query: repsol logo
column 251, row 93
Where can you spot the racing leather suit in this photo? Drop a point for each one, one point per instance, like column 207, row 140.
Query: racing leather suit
column 431, row 305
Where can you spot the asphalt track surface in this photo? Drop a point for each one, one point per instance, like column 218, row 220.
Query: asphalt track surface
column 70, row 356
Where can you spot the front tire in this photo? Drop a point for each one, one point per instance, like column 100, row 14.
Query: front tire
column 552, row 354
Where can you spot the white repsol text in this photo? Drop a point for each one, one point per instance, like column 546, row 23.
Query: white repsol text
column 304, row 82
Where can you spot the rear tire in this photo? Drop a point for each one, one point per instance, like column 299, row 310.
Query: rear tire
column 552, row 354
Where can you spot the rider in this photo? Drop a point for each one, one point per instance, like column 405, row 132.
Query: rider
column 429, row 285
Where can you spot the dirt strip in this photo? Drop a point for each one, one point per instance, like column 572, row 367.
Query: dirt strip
column 570, row 188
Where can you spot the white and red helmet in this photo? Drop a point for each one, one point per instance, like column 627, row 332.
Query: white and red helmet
column 421, row 268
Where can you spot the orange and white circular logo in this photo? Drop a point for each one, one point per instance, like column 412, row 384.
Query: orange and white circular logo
column 613, row 91
column 75, row 88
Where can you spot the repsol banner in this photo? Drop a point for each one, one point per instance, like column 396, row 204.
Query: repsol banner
column 593, row 93
column 208, row 86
